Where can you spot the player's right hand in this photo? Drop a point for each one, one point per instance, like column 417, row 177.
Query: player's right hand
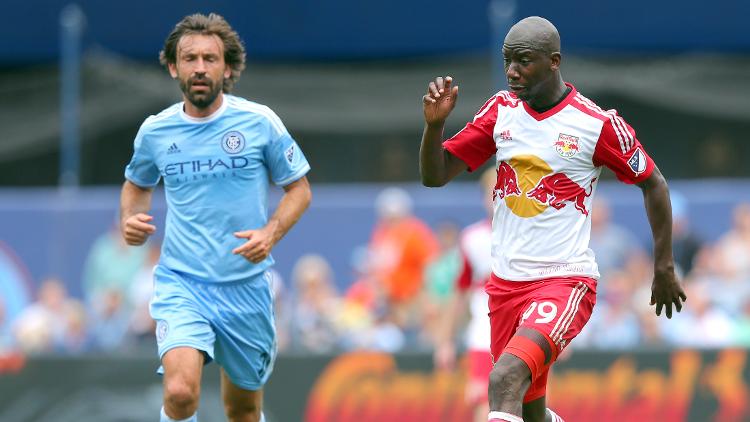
column 439, row 101
column 136, row 229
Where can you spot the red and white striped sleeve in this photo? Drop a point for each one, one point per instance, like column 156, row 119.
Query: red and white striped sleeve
column 475, row 143
column 619, row 150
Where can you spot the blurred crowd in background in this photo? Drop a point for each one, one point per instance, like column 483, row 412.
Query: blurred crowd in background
column 402, row 279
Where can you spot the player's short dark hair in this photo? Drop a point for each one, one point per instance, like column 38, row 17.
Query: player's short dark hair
column 213, row 24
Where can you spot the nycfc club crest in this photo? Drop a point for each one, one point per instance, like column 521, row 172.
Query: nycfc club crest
column 566, row 145
column 162, row 329
column 233, row 142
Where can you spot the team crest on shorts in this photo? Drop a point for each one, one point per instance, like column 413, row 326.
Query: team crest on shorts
column 162, row 329
column 233, row 142
column 566, row 145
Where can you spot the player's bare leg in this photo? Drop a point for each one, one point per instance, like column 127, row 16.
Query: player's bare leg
column 241, row 405
column 183, row 367
column 509, row 380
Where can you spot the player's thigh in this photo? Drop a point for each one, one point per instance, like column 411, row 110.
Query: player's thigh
column 560, row 309
column 245, row 345
column 240, row 404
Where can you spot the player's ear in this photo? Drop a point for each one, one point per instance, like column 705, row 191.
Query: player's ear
column 227, row 72
column 172, row 70
column 555, row 60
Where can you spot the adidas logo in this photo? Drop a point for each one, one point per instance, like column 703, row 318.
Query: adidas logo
column 173, row 149
column 505, row 135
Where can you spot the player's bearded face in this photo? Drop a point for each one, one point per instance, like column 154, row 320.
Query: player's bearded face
column 200, row 89
column 200, row 68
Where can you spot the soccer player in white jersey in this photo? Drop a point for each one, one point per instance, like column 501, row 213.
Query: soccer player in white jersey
column 550, row 144
column 474, row 243
column 216, row 154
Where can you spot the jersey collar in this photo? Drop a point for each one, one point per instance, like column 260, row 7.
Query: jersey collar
column 213, row 116
column 541, row 116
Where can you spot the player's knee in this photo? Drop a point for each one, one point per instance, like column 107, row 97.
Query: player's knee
column 509, row 378
column 181, row 395
column 242, row 412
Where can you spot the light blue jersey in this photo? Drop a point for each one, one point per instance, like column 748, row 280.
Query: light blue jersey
column 216, row 173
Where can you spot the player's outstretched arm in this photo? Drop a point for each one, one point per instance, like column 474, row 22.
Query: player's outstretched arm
column 665, row 290
column 437, row 166
column 296, row 199
column 135, row 223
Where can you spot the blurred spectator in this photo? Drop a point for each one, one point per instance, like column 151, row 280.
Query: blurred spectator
column 6, row 338
column 43, row 327
column 614, row 324
column 111, row 265
column 615, row 247
column 733, row 249
column 401, row 246
column 685, row 243
column 142, row 326
column 700, row 324
column 110, row 320
column 316, row 307
column 15, row 287
column 742, row 327
column 439, row 280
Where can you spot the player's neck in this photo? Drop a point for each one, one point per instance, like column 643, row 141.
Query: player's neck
column 193, row 111
column 553, row 97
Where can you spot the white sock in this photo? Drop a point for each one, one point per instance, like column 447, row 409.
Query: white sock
column 554, row 416
column 502, row 416
column 165, row 418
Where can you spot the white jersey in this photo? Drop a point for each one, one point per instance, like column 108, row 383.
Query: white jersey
column 475, row 243
column 547, row 168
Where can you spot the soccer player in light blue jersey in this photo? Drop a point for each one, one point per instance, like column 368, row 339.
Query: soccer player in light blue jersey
column 216, row 154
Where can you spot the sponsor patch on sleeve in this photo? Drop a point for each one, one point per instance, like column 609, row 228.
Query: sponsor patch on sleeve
column 637, row 161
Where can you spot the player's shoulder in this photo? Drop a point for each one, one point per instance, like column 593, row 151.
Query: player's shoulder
column 252, row 108
column 501, row 98
column 590, row 108
column 162, row 117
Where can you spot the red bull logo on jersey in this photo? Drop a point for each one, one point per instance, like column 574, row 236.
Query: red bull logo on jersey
column 507, row 182
column 566, row 145
column 557, row 189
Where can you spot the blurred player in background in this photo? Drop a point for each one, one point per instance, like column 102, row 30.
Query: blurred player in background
column 550, row 144
column 216, row 154
column 475, row 244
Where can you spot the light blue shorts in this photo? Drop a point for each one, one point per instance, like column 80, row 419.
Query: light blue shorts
column 232, row 323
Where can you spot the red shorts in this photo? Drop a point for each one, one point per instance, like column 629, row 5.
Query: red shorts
column 555, row 307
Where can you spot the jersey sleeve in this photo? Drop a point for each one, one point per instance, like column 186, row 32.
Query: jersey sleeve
column 474, row 144
column 285, row 160
column 142, row 169
column 618, row 149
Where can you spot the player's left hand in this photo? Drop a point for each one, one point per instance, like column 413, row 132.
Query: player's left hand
column 666, row 291
column 258, row 245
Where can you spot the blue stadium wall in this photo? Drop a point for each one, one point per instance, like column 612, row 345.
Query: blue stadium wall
column 339, row 29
